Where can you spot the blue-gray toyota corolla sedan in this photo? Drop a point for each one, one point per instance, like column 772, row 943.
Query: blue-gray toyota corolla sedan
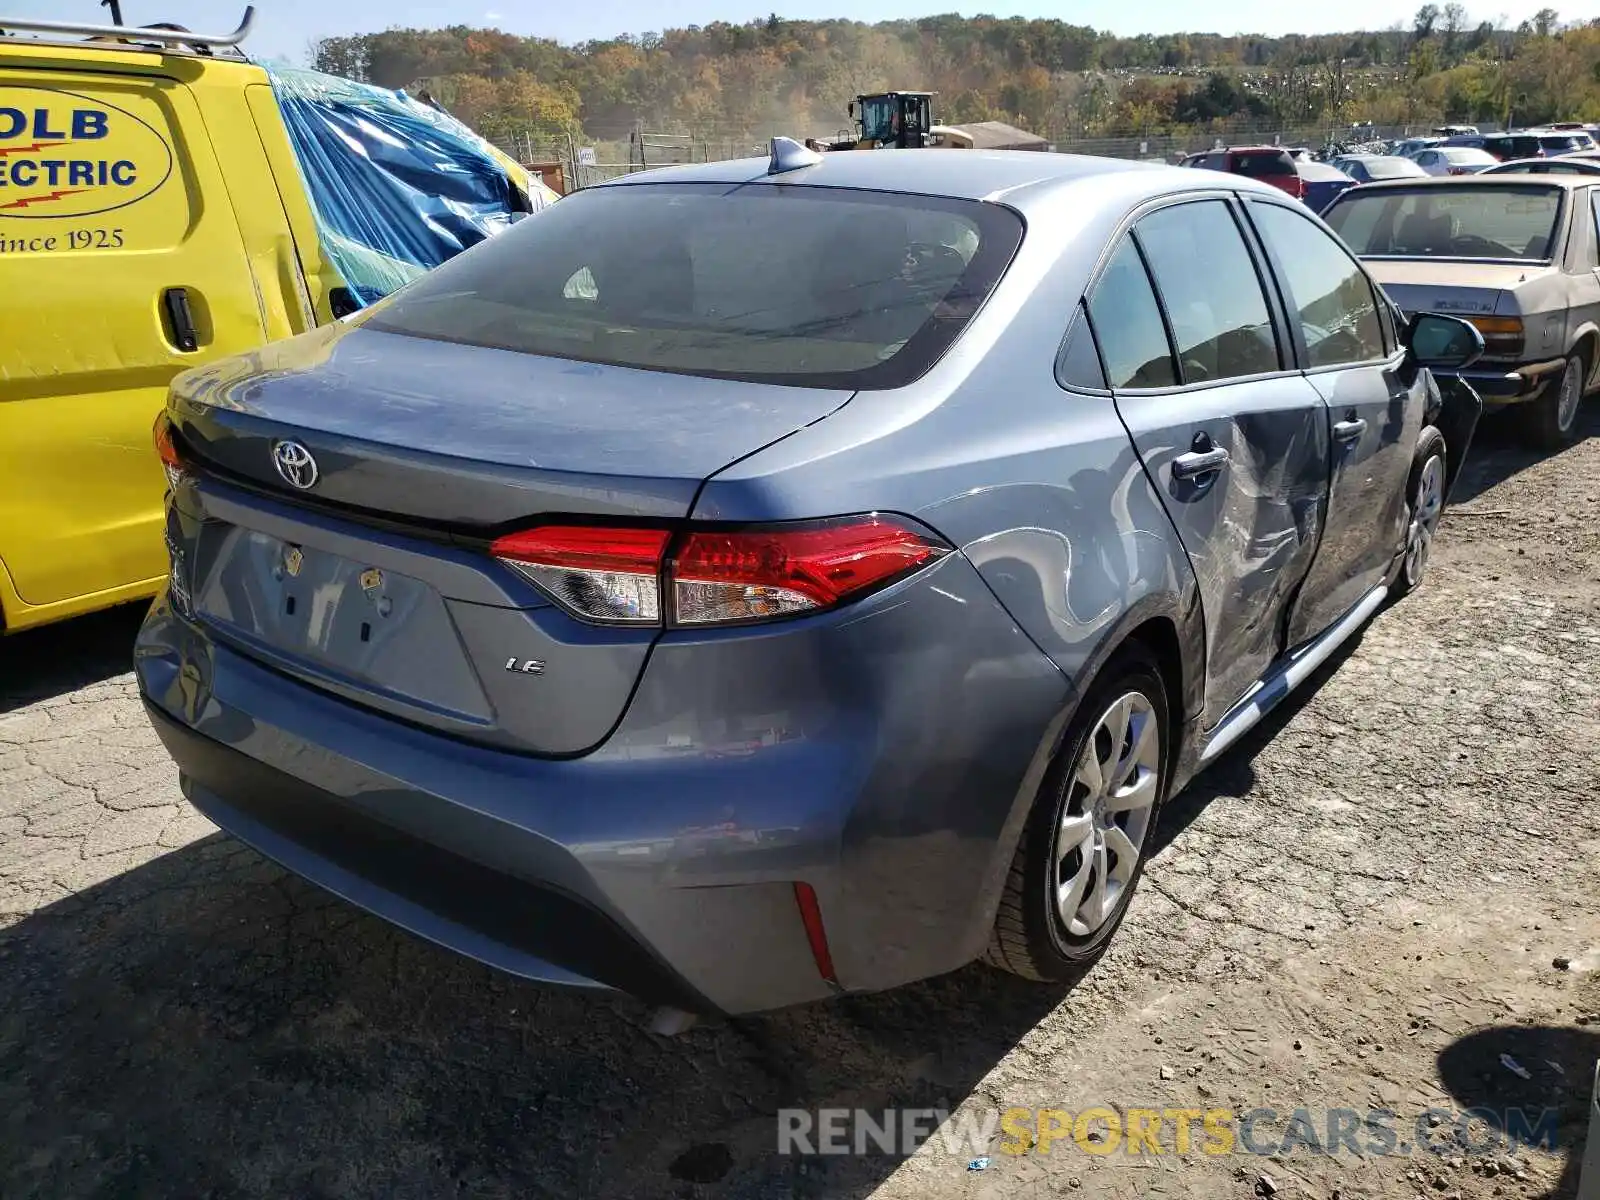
column 747, row 583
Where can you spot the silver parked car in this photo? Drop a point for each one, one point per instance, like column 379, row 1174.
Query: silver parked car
column 1376, row 168
column 1453, row 160
column 749, row 582
column 1583, row 162
column 1515, row 254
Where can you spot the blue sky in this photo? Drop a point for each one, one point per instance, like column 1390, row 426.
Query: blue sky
column 287, row 27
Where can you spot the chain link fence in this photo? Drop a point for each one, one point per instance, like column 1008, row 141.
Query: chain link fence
column 571, row 162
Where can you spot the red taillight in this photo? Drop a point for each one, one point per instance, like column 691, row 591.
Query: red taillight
column 166, row 449
column 610, row 575
column 715, row 576
column 748, row 575
column 805, row 896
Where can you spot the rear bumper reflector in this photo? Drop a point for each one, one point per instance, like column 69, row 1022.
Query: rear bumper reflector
column 811, row 915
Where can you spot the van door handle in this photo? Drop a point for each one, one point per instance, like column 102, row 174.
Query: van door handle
column 1349, row 431
column 180, row 319
column 1199, row 462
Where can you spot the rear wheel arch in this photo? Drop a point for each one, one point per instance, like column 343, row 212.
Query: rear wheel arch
column 1588, row 348
column 1159, row 636
column 1155, row 625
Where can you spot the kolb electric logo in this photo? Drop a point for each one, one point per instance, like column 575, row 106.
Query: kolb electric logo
column 66, row 155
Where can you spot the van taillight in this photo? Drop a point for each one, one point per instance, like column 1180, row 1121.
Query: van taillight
column 708, row 576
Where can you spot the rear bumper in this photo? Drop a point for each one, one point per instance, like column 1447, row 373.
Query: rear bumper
column 663, row 863
column 520, row 925
column 1501, row 386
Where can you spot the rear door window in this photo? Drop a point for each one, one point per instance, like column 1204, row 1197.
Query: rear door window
column 1128, row 326
column 1212, row 295
column 805, row 286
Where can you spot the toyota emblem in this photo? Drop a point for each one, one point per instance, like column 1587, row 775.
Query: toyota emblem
column 295, row 464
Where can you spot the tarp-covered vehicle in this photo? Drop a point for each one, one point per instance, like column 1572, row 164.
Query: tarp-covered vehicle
column 164, row 201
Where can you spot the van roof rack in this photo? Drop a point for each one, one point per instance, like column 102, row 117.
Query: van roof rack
column 165, row 36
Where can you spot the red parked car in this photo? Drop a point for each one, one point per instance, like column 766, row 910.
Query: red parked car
column 1270, row 164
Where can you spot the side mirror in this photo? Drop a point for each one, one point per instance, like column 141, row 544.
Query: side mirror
column 1447, row 343
column 851, row 108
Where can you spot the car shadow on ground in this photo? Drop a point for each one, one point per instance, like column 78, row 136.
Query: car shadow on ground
column 207, row 1025
column 41, row 664
column 1499, row 450
column 1483, row 1072
column 1233, row 774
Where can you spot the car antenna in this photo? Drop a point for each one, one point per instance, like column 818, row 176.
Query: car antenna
column 790, row 155
column 116, row 10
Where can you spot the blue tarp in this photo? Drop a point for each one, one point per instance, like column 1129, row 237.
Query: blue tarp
column 397, row 186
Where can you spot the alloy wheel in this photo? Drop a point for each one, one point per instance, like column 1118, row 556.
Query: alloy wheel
column 1426, row 506
column 1571, row 393
column 1111, row 798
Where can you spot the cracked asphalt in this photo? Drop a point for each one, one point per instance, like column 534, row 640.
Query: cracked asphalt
column 1360, row 907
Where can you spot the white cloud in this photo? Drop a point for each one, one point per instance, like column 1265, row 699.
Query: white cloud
column 491, row 15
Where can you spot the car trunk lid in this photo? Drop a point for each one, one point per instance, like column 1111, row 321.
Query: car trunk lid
column 1462, row 289
column 465, row 436
column 375, row 582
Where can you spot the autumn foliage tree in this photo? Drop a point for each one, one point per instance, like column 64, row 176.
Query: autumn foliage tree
column 741, row 81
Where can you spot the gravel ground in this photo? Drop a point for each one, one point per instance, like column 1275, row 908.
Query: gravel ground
column 1361, row 907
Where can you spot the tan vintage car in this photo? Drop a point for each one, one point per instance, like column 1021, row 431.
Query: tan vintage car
column 1518, row 256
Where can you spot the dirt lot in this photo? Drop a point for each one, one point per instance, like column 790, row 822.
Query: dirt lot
column 1359, row 908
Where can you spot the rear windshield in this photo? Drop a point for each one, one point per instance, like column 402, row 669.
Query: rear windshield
column 1266, row 162
column 1560, row 142
column 1454, row 222
column 1514, row 147
column 1393, row 168
column 815, row 287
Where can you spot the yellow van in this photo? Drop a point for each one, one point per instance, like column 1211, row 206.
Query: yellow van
column 153, row 217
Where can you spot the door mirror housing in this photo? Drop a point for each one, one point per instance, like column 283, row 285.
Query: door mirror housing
column 1447, row 343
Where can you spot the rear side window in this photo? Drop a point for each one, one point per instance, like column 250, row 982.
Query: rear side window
column 1331, row 296
column 1127, row 324
column 1260, row 163
column 1079, row 364
column 1208, row 284
column 811, row 287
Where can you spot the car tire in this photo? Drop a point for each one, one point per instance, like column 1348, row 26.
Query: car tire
column 1553, row 417
column 1069, row 832
column 1424, row 506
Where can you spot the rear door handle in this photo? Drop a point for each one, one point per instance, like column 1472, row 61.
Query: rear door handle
column 180, row 320
column 1199, row 462
column 1349, row 431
